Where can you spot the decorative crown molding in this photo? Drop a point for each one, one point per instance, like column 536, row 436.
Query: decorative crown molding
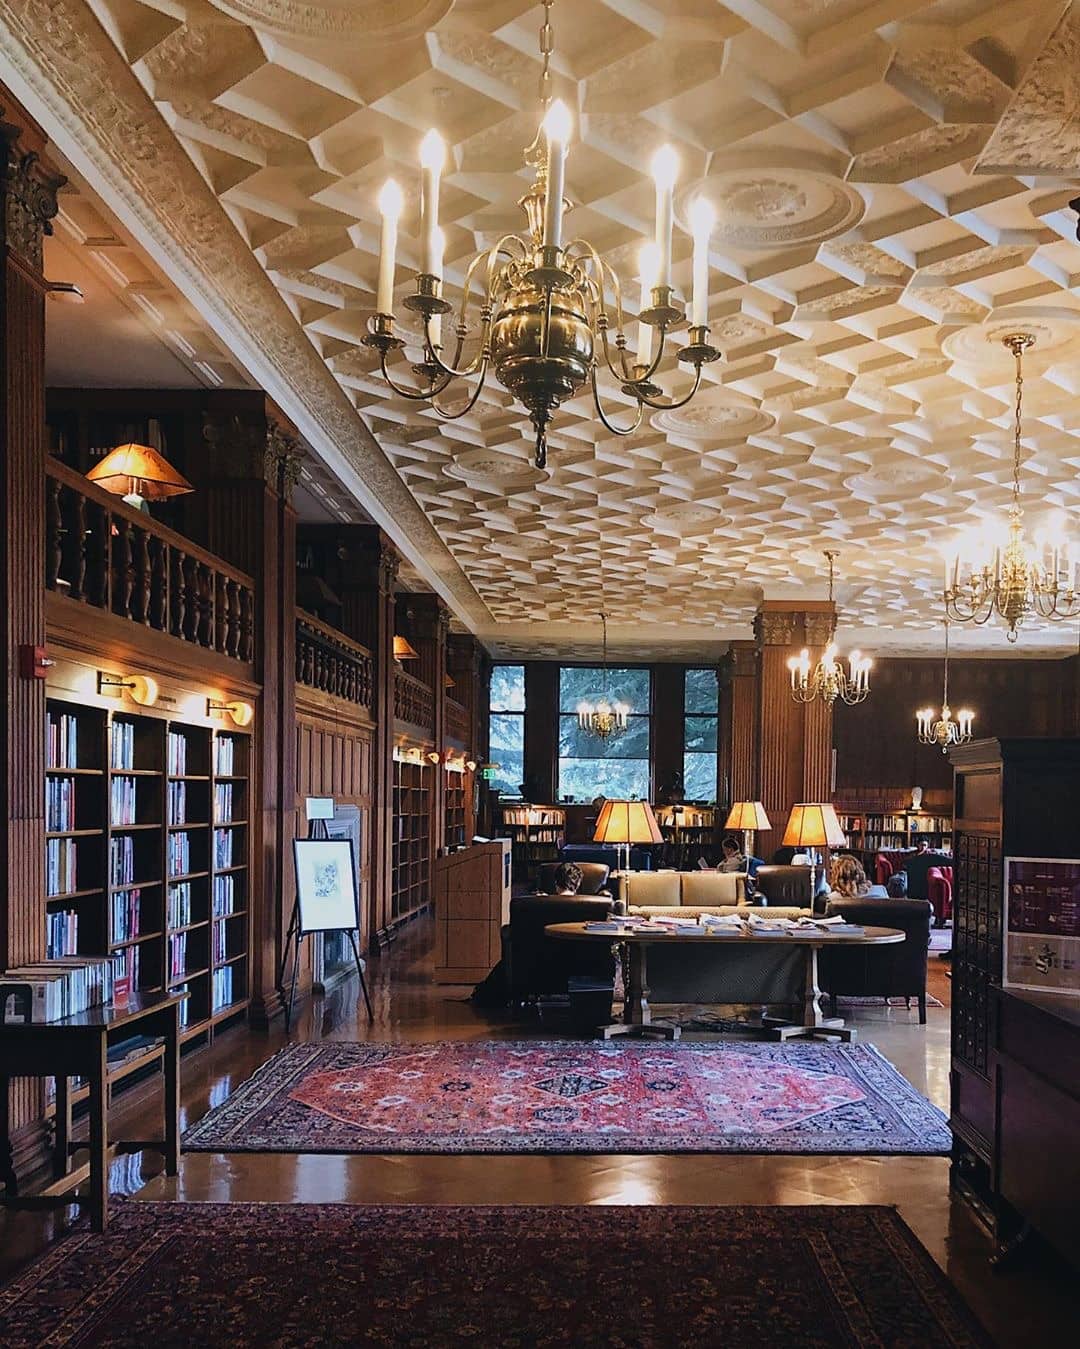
column 775, row 627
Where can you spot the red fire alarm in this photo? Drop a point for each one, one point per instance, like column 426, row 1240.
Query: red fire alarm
column 33, row 662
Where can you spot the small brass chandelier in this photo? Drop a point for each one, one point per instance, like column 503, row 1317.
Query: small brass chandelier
column 603, row 719
column 944, row 731
column 828, row 680
column 544, row 324
column 1022, row 581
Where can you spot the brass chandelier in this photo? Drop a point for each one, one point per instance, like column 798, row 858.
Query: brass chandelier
column 944, row 731
column 1019, row 581
column 543, row 322
column 603, row 719
column 828, row 680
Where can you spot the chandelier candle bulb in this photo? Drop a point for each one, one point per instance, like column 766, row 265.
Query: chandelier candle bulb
column 702, row 220
column 648, row 265
column 665, row 168
column 390, row 204
column 435, row 324
column 557, row 131
column 432, row 162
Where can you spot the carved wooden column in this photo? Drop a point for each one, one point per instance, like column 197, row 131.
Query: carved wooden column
column 464, row 661
column 668, row 731
column 246, row 516
column 429, row 625
column 365, row 581
column 794, row 741
column 27, row 205
column 738, row 724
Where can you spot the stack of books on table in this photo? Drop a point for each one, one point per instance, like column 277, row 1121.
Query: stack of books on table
column 54, row 989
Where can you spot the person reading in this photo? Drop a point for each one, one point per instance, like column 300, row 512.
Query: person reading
column 568, row 878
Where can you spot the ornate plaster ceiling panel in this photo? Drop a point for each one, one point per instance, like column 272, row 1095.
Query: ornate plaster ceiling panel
column 893, row 179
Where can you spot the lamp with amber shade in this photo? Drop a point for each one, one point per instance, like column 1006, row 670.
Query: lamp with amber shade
column 812, row 825
column 139, row 474
column 404, row 649
column 626, row 822
column 747, row 816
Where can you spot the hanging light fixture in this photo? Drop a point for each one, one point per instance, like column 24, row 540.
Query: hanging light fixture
column 828, row 680
column 604, row 718
column 1023, row 580
column 944, row 731
column 543, row 319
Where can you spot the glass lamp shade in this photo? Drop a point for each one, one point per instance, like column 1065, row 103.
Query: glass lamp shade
column 627, row 822
column 138, row 470
column 813, row 824
column 747, row 815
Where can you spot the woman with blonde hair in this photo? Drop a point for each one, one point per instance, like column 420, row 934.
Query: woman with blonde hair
column 847, row 879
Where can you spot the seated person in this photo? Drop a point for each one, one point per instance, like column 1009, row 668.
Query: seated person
column 733, row 859
column 568, row 878
column 848, row 880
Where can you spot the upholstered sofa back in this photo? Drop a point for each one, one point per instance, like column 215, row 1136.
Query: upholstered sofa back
column 681, row 889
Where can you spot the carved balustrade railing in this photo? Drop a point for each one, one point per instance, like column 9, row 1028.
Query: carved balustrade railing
column 329, row 661
column 413, row 701
column 107, row 555
column 457, row 721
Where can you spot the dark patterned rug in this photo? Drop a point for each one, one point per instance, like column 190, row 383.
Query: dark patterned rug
column 537, row 1096
column 642, row 1278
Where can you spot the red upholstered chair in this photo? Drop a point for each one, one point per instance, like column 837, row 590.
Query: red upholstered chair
column 883, row 869
column 939, row 891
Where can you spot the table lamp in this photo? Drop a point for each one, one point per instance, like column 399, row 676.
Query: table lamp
column 626, row 822
column 813, row 824
column 747, row 816
column 138, row 474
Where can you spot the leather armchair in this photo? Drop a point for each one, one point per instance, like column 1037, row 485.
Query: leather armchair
column 594, row 878
column 894, row 971
column 539, row 965
column 789, row 886
column 939, row 882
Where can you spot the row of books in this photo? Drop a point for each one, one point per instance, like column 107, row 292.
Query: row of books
column 223, row 802
column 61, row 933
column 61, row 740
column 54, row 989
column 177, row 802
column 124, row 915
column 122, row 800
column 59, row 804
column 179, row 854
column 121, row 860
column 224, row 896
column 176, row 753
column 220, row 943
column 223, row 848
column 224, row 757
column 178, row 955
column 185, row 1006
column 223, row 987
column 125, row 964
column 122, row 745
column 179, row 905
column 60, row 866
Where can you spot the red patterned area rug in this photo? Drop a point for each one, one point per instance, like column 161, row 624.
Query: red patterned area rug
column 648, row 1278
column 536, row 1096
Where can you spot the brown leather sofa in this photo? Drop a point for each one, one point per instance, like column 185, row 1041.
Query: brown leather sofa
column 788, row 886
column 542, row 966
column 594, row 877
column 894, row 971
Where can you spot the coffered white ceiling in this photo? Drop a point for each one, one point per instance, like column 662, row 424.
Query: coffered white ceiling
column 892, row 179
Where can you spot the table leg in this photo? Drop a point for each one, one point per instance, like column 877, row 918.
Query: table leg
column 62, row 1127
column 814, row 1022
column 99, row 1136
column 637, row 1015
column 171, row 1064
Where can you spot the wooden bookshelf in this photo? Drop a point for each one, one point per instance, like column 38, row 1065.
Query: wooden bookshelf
column 688, row 832
column 143, row 830
column 872, row 832
column 412, row 848
column 456, row 810
column 536, row 833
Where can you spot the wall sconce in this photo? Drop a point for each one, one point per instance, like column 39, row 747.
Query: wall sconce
column 242, row 714
column 141, row 688
column 470, row 764
column 404, row 650
column 449, row 682
column 433, row 756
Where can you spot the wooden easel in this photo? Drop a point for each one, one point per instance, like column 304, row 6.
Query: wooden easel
column 294, row 936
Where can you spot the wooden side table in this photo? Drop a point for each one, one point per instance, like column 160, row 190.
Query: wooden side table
column 78, row 1046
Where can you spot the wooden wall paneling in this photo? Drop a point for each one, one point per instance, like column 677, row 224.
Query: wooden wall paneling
column 429, row 625
column 737, row 737
column 668, row 729
column 27, row 206
column 541, row 730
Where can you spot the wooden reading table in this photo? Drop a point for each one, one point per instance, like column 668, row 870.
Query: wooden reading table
column 637, row 1017
column 78, row 1046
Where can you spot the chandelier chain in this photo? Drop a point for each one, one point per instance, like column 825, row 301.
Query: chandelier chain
column 1018, row 355
column 547, row 45
column 945, row 698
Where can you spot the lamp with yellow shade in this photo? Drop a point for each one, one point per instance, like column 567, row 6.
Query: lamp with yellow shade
column 747, row 816
column 812, row 825
column 404, row 650
column 138, row 474
column 626, row 822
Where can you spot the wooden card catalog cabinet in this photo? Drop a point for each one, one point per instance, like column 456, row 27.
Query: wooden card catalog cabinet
column 472, row 902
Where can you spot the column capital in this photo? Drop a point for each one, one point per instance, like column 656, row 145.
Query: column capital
column 29, row 187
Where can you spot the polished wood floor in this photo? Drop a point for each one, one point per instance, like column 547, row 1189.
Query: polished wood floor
column 1035, row 1304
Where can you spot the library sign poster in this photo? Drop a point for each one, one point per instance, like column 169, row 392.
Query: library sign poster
column 1042, row 924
